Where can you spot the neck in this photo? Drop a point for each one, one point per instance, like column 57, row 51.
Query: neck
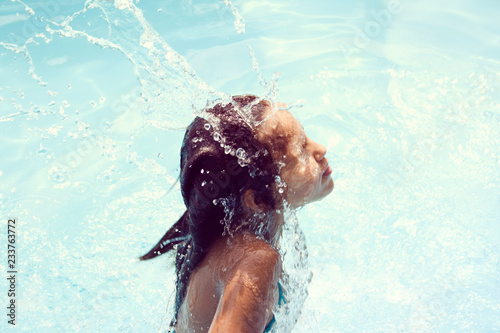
column 274, row 220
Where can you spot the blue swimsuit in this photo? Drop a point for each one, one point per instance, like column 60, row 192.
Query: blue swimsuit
column 281, row 301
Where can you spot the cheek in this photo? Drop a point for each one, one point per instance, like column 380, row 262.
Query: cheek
column 300, row 171
column 311, row 169
column 302, row 178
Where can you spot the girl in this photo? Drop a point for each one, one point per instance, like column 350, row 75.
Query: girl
column 239, row 165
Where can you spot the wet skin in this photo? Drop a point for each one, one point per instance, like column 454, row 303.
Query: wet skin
column 305, row 169
column 234, row 288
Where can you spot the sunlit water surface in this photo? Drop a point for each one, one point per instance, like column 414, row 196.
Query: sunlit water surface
column 404, row 94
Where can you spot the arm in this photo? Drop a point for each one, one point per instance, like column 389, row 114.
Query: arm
column 249, row 295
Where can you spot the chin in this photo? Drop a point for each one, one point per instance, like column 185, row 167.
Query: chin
column 327, row 190
column 331, row 187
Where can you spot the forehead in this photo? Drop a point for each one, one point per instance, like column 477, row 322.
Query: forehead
column 280, row 122
column 279, row 129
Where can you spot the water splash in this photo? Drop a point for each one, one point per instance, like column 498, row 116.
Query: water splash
column 239, row 23
column 168, row 83
column 296, row 273
column 271, row 88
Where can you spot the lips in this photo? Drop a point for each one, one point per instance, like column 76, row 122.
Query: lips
column 327, row 171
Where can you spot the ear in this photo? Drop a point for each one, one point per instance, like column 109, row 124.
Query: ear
column 248, row 199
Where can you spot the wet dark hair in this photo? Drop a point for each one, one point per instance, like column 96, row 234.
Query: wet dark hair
column 220, row 160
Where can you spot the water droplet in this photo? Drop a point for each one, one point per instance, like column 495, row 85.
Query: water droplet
column 241, row 153
column 227, row 150
column 207, row 126
column 41, row 150
column 216, row 136
column 281, row 190
column 202, row 171
column 58, row 175
column 195, row 140
column 109, row 176
column 203, row 183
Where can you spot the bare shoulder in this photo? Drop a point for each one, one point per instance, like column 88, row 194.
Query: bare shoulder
column 246, row 253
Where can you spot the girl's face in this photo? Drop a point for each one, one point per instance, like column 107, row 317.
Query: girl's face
column 304, row 168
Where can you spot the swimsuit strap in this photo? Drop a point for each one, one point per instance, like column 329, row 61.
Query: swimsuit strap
column 281, row 301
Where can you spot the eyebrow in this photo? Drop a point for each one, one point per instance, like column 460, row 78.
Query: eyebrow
column 298, row 122
column 303, row 134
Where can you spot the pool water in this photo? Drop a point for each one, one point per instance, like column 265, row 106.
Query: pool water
column 94, row 97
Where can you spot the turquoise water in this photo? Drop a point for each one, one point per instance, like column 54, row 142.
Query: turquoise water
column 404, row 95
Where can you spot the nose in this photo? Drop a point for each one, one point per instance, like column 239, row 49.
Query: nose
column 319, row 151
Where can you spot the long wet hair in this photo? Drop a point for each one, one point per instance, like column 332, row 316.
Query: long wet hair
column 220, row 160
